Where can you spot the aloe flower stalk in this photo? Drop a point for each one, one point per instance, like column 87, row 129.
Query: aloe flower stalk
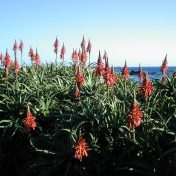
column 89, row 49
column 1, row 58
column 21, row 47
column 105, row 56
column 164, row 80
column 7, row 63
column 29, row 122
column 81, row 148
column 79, row 78
column 83, row 57
column 56, row 47
column 114, row 76
column 164, row 66
column 83, row 44
column 146, row 88
column 108, row 76
column 37, row 59
column 135, row 116
column 140, row 75
column 75, row 59
column 125, row 72
column 17, row 67
column 79, row 54
column 100, row 70
column 32, row 55
column 15, row 46
column 63, row 50
column 76, row 93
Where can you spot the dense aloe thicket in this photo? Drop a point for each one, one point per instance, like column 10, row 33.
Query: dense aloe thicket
column 99, row 113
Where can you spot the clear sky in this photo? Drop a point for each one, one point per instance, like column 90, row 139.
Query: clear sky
column 132, row 30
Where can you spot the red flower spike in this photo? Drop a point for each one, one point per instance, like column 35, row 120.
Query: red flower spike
column 79, row 54
column 79, row 78
column 135, row 116
column 140, row 75
column 37, row 59
column 1, row 58
column 7, row 61
column 56, row 46
column 114, row 76
column 125, row 72
column 146, row 87
column 83, row 43
column 21, row 46
column 100, row 70
column 108, row 76
column 76, row 93
column 17, row 67
column 29, row 122
column 81, row 148
column 89, row 47
column 75, row 57
column 164, row 66
column 31, row 54
column 105, row 55
column 15, row 46
column 63, row 50
column 83, row 58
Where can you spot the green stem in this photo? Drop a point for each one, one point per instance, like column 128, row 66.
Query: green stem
column 56, row 59
column 125, row 88
column 89, row 60
column 21, row 59
column 108, row 91
column 133, row 134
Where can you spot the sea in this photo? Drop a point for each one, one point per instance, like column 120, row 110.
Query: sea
column 153, row 72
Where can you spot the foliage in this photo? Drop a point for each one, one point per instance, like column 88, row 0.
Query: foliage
column 100, row 113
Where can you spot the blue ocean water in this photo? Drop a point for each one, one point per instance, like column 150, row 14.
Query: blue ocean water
column 153, row 72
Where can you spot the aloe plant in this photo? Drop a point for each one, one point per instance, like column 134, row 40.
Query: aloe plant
column 100, row 113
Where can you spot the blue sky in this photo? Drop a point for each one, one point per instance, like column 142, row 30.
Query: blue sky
column 132, row 30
